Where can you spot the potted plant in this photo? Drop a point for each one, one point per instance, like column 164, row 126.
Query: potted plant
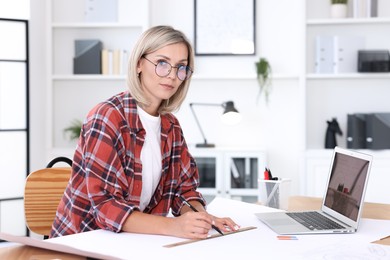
column 74, row 129
column 263, row 71
column 338, row 8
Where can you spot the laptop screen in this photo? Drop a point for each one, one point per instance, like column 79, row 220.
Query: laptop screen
column 346, row 185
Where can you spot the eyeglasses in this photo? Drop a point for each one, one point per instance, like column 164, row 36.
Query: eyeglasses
column 163, row 69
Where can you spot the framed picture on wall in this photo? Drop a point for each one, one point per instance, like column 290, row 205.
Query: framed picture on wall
column 225, row 27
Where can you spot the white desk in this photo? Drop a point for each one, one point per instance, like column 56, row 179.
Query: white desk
column 260, row 243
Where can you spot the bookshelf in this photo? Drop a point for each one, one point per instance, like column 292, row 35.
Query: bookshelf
column 67, row 23
column 337, row 94
column 327, row 94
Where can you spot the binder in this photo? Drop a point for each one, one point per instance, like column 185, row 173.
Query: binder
column 324, row 54
column 345, row 53
column 356, row 131
column 378, row 131
column 101, row 10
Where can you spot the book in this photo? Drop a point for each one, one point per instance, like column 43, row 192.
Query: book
column 372, row 8
column 365, row 8
column 104, row 62
column 356, row 131
column 124, row 57
column 116, row 62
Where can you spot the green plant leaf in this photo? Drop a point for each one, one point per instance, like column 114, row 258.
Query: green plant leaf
column 74, row 129
column 263, row 70
column 339, row 1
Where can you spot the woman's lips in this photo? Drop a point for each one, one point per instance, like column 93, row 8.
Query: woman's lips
column 168, row 86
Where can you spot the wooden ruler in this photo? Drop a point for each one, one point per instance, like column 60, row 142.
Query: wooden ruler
column 212, row 236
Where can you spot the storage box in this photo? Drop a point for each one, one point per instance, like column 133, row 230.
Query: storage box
column 87, row 58
column 274, row 194
column 373, row 61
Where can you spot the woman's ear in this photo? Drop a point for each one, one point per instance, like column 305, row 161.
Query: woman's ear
column 139, row 70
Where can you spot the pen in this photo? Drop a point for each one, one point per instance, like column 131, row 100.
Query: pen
column 194, row 209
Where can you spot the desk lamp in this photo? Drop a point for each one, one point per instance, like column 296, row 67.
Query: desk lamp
column 230, row 116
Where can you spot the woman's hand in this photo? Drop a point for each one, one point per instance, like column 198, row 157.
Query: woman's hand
column 193, row 225
column 224, row 224
column 196, row 225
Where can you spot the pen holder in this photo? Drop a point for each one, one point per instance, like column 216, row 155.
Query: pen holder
column 274, row 194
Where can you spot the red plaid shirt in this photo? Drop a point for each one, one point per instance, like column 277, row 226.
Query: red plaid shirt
column 106, row 180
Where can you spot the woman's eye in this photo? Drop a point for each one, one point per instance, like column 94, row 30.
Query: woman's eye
column 182, row 67
column 162, row 63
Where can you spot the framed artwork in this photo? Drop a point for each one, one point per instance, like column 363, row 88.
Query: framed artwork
column 225, row 27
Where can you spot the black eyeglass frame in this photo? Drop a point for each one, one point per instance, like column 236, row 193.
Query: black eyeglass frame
column 188, row 69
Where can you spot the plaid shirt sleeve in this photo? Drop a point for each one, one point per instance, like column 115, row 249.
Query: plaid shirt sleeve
column 105, row 169
column 104, row 163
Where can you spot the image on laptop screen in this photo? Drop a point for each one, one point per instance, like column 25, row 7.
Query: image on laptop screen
column 346, row 185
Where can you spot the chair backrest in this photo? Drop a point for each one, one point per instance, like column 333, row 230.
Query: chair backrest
column 43, row 191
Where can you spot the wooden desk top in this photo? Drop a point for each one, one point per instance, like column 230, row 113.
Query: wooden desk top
column 371, row 210
column 28, row 252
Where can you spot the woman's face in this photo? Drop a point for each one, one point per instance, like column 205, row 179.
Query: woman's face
column 159, row 88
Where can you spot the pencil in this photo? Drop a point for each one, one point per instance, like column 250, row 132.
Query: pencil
column 195, row 210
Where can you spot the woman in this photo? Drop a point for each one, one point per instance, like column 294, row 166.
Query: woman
column 132, row 165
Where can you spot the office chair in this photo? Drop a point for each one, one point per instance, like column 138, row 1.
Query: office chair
column 43, row 191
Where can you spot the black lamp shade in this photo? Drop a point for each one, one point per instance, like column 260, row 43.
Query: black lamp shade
column 229, row 107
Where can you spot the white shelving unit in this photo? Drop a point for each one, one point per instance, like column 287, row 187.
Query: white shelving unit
column 67, row 92
column 230, row 172
column 336, row 95
column 328, row 94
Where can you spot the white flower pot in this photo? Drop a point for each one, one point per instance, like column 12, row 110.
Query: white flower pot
column 338, row 11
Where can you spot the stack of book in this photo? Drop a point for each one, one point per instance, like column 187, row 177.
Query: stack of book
column 365, row 8
column 114, row 62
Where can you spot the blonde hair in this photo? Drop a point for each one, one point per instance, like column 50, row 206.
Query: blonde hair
column 152, row 40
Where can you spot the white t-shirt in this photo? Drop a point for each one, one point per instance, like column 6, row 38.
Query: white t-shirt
column 150, row 156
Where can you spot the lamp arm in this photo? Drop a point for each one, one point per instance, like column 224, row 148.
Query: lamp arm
column 196, row 118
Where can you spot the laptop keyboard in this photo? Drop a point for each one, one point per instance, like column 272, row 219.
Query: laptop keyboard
column 314, row 220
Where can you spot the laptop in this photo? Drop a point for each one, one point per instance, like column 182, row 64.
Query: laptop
column 342, row 203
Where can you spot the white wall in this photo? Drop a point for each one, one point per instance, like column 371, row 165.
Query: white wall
column 15, row 9
column 278, row 127
column 38, row 85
